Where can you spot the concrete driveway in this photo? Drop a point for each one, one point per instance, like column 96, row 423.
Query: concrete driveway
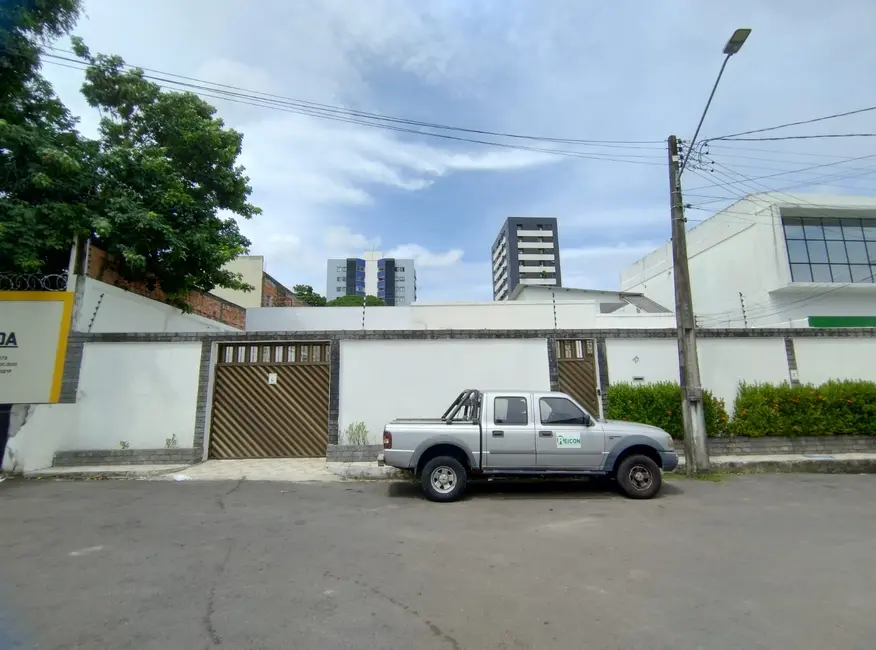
column 754, row 562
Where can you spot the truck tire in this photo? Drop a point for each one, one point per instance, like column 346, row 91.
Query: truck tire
column 444, row 479
column 639, row 477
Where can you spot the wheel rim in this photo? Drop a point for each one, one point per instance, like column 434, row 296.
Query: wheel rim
column 641, row 477
column 443, row 479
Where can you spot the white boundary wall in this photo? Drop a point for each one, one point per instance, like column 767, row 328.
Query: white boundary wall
column 511, row 315
column 820, row 360
column 723, row 362
column 140, row 393
column 383, row 380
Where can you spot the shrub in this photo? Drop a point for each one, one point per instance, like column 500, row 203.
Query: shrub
column 357, row 434
column 836, row 407
column 659, row 405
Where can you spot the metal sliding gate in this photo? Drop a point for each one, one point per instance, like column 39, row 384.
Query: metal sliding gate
column 576, row 364
column 270, row 401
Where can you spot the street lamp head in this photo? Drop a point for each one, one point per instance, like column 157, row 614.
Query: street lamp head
column 736, row 41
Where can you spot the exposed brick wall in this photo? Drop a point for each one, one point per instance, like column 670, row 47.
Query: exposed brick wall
column 101, row 267
column 275, row 294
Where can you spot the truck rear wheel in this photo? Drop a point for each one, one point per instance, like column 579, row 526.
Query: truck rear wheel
column 444, row 479
column 639, row 477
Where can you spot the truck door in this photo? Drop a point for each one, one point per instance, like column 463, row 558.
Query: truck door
column 509, row 429
column 564, row 439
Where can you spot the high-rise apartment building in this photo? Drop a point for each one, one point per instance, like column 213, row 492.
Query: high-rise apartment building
column 526, row 251
column 393, row 280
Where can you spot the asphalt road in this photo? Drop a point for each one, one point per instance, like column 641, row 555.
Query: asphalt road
column 754, row 562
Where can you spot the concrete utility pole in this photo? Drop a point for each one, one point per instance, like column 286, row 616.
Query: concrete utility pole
column 696, row 452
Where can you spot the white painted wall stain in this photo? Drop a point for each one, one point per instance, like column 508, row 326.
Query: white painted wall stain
column 140, row 393
column 820, row 360
column 383, row 380
column 723, row 362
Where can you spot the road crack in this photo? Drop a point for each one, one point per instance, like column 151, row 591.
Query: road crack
column 221, row 500
column 209, row 625
column 434, row 629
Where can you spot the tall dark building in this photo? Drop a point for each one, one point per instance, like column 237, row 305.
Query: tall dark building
column 526, row 251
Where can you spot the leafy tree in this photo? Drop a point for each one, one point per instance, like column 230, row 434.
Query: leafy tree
column 305, row 293
column 158, row 190
column 356, row 301
column 45, row 166
column 168, row 180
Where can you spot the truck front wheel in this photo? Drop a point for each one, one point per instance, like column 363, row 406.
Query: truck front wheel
column 443, row 479
column 639, row 477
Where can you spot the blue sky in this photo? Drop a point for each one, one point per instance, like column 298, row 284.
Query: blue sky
column 627, row 70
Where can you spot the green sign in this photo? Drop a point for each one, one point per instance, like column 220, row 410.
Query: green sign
column 842, row 321
column 568, row 440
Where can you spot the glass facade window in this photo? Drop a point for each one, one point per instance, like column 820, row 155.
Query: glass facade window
column 831, row 249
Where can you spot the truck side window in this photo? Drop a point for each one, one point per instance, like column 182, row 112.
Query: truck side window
column 510, row 410
column 558, row 410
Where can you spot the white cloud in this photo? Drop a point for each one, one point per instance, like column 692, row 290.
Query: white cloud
column 552, row 68
column 598, row 267
column 340, row 241
column 424, row 258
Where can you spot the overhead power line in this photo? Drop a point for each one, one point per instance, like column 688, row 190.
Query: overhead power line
column 277, row 105
column 805, row 137
column 340, row 110
column 790, row 124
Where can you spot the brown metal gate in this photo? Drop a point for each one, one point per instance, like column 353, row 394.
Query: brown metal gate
column 576, row 361
column 270, row 401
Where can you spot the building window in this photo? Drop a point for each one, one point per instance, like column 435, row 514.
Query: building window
column 342, row 278
column 401, row 269
column 340, row 289
column 342, row 269
column 831, row 250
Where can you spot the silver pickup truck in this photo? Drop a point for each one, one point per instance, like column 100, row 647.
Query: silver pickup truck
column 525, row 433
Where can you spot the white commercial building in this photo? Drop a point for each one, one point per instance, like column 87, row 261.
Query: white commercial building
column 775, row 259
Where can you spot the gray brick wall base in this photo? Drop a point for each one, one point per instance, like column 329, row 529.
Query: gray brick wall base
column 769, row 445
column 125, row 457
column 352, row 453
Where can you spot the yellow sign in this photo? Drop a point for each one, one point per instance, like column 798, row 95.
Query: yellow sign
column 34, row 326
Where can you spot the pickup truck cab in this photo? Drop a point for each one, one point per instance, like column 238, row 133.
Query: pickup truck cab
column 525, row 433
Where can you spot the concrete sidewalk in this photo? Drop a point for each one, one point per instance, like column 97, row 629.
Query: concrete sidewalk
column 302, row 470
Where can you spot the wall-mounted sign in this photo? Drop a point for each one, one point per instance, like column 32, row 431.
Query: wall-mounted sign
column 34, row 326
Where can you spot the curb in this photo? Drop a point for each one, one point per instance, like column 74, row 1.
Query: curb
column 809, row 466
column 97, row 474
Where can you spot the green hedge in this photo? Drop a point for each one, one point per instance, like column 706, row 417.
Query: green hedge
column 834, row 408
column 660, row 405
column 837, row 407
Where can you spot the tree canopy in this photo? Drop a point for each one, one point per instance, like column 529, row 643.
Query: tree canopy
column 46, row 167
column 356, row 301
column 305, row 293
column 159, row 189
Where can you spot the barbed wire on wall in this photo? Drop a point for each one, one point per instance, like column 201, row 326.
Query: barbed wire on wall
column 33, row 282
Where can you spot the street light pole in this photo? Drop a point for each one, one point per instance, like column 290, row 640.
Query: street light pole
column 737, row 40
column 696, row 450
